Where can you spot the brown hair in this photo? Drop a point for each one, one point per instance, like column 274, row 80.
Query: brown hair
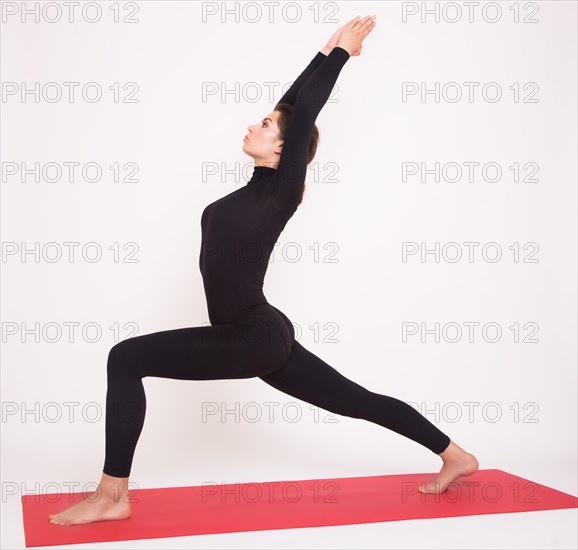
column 285, row 111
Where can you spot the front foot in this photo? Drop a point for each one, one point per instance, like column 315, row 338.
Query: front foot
column 108, row 502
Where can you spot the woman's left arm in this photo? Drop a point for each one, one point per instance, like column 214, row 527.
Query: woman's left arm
column 292, row 166
column 291, row 94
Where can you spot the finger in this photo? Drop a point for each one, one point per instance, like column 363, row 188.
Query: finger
column 368, row 27
column 365, row 33
column 363, row 25
column 369, row 22
column 360, row 22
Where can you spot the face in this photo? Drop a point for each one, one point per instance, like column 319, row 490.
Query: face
column 262, row 141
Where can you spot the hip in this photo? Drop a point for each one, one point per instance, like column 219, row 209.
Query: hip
column 265, row 322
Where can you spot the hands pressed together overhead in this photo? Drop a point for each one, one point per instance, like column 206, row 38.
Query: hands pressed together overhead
column 351, row 35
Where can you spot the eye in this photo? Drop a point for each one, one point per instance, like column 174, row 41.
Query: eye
column 264, row 123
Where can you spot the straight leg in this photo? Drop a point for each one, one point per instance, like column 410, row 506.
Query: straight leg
column 309, row 378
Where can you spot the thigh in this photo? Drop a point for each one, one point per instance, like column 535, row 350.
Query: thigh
column 242, row 349
column 307, row 377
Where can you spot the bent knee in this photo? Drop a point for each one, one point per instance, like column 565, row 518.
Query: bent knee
column 121, row 356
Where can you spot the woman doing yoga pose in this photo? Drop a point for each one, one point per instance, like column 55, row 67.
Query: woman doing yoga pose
column 249, row 337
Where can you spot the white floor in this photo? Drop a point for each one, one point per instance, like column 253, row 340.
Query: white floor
column 547, row 529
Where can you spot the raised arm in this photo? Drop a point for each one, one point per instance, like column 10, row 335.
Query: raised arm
column 311, row 98
column 291, row 94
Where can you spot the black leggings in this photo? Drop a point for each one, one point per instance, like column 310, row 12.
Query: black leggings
column 261, row 343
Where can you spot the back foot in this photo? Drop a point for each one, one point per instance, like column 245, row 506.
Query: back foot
column 457, row 463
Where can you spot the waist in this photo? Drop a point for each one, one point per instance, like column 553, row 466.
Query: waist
column 225, row 306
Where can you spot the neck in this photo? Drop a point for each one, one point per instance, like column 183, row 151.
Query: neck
column 260, row 172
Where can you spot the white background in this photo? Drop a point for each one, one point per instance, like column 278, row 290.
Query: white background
column 367, row 132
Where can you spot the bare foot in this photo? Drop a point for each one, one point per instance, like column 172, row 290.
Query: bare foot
column 109, row 501
column 457, row 463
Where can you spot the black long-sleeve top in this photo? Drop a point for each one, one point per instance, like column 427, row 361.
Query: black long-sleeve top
column 240, row 229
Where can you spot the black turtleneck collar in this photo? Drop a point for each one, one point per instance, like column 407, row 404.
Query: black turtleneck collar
column 261, row 172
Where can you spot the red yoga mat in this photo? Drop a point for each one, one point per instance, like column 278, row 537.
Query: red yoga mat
column 237, row 507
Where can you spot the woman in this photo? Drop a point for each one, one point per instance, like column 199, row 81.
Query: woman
column 249, row 337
